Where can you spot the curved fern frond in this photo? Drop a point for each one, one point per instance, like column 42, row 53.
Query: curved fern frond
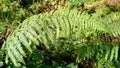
column 46, row 29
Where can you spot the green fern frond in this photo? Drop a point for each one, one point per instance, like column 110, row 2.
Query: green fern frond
column 103, row 53
column 105, row 64
column 47, row 28
column 112, row 23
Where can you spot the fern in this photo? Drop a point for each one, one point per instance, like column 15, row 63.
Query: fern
column 48, row 28
column 105, row 64
column 113, row 23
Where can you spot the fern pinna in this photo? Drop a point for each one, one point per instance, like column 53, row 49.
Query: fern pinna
column 47, row 29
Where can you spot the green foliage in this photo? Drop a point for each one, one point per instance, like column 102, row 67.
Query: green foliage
column 47, row 32
column 14, row 12
column 63, row 29
column 35, row 57
column 10, row 14
column 2, row 26
column 105, row 64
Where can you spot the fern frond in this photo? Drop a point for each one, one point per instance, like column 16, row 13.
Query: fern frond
column 47, row 28
column 112, row 23
column 105, row 64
